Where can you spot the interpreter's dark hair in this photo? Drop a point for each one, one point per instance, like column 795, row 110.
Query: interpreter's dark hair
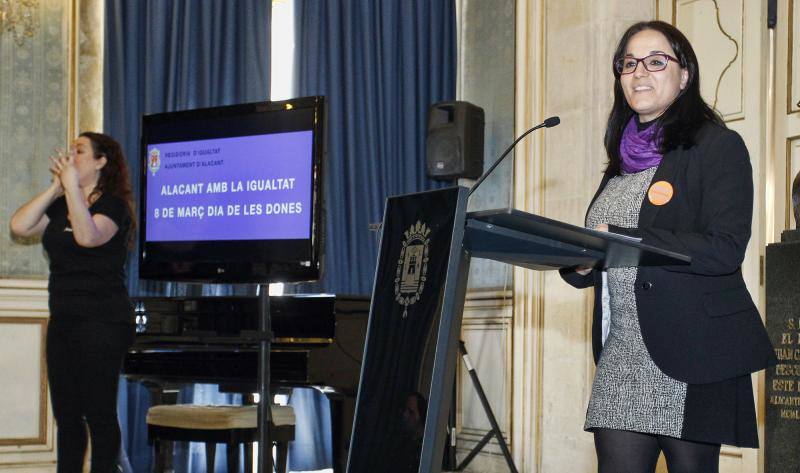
column 114, row 179
column 682, row 120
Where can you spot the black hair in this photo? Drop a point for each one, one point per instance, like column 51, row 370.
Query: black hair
column 682, row 119
column 113, row 178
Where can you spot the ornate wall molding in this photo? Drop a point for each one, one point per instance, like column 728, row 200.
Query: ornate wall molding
column 27, row 433
column 23, row 295
column 719, row 50
column 17, row 339
column 722, row 73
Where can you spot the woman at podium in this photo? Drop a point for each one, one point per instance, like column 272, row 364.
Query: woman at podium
column 86, row 222
column 674, row 345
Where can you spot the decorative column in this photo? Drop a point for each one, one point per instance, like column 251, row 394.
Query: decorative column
column 564, row 54
column 90, row 47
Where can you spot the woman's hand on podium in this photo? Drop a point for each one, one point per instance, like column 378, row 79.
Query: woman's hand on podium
column 584, row 270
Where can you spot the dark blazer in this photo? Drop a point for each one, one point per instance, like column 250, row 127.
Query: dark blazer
column 698, row 322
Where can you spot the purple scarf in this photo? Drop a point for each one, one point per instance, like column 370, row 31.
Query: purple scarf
column 639, row 149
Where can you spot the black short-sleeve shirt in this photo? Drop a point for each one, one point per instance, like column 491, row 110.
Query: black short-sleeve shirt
column 93, row 275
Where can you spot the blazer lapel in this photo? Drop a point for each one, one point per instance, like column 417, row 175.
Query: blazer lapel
column 666, row 172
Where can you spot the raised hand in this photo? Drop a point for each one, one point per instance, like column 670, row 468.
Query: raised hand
column 55, row 170
column 63, row 166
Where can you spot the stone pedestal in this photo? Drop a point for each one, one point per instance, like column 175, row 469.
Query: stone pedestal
column 783, row 380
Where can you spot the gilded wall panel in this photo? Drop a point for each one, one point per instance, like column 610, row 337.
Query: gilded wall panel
column 33, row 120
column 716, row 31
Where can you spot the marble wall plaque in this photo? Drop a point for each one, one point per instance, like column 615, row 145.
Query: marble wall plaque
column 783, row 380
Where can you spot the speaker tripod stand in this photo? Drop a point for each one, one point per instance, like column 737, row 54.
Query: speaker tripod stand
column 495, row 430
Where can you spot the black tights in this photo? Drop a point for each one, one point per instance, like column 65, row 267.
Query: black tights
column 621, row 451
column 83, row 366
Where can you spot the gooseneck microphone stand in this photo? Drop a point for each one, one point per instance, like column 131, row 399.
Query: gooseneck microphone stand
column 548, row 123
column 476, row 382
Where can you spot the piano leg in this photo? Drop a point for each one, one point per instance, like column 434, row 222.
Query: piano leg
column 232, row 453
column 248, row 457
column 211, row 455
column 282, row 457
column 339, row 452
column 342, row 412
column 158, row 457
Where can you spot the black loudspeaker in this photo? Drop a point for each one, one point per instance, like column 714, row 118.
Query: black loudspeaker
column 455, row 140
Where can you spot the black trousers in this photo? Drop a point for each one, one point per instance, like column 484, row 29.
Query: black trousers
column 84, row 359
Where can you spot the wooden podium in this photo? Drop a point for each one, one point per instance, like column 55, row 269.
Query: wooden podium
column 410, row 355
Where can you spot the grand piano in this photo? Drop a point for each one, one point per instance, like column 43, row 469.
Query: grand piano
column 318, row 343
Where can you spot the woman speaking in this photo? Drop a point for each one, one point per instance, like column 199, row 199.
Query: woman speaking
column 86, row 222
column 674, row 345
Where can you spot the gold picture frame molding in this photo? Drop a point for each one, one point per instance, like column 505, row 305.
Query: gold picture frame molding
column 41, row 438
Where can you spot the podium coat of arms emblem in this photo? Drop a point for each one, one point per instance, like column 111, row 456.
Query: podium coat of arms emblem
column 412, row 266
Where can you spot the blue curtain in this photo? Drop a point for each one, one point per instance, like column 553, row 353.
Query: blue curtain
column 380, row 64
column 168, row 55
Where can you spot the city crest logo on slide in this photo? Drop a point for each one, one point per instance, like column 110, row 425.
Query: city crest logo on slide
column 412, row 266
column 154, row 160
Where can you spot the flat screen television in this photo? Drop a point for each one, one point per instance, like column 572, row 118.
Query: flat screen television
column 233, row 194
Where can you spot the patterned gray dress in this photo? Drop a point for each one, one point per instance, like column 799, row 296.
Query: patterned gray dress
column 629, row 392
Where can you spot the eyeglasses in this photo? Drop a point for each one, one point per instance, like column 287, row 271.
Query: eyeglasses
column 652, row 63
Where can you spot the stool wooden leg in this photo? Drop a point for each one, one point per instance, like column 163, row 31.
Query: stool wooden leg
column 158, row 457
column 211, row 452
column 283, row 455
column 248, row 457
column 233, row 457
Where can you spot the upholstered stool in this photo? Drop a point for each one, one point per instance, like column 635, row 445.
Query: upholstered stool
column 231, row 425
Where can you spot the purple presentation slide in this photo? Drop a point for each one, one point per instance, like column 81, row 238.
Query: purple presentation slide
column 242, row 188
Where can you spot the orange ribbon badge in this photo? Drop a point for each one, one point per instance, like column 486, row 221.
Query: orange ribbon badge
column 660, row 193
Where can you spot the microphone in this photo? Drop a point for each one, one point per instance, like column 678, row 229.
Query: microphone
column 548, row 123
